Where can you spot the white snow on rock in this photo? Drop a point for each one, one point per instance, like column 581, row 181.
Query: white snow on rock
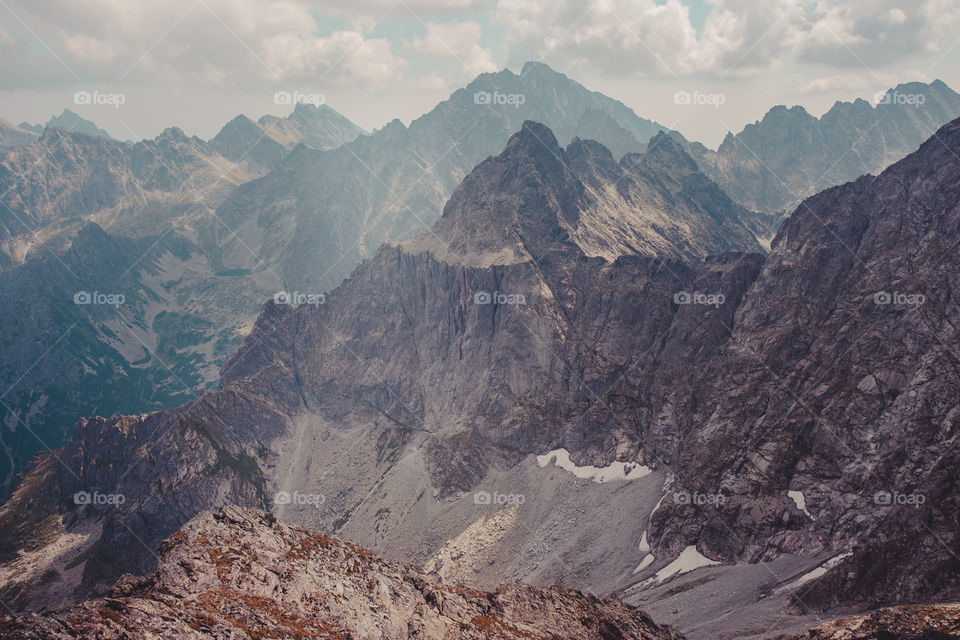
column 616, row 470
column 688, row 560
column 800, row 501
column 644, row 546
column 816, row 573
column 646, row 562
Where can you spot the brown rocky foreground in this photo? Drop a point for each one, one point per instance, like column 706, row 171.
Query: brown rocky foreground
column 912, row 622
column 240, row 573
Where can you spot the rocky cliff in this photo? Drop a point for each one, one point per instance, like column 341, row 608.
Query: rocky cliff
column 829, row 419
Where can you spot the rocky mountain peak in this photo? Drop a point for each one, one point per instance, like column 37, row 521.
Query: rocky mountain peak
column 306, row 108
column 773, row 164
column 590, row 158
column 534, row 140
column 536, row 67
column 666, row 154
column 527, row 194
column 75, row 123
column 175, row 134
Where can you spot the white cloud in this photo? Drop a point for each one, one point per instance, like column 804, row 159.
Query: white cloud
column 644, row 37
column 459, row 40
column 739, row 37
column 345, row 56
column 840, row 83
column 229, row 43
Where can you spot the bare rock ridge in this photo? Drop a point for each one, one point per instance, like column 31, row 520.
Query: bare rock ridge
column 814, row 389
column 264, row 143
column 536, row 197
column 789, row 155
column 12, row 135
column 242, row 573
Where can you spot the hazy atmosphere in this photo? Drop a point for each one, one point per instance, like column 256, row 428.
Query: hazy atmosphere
column 199, row 62
column 480, row 320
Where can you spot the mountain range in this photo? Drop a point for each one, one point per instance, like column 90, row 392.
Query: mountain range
column 510, row 342
column 12, row 136
column 615, row 421
column 774, row 164
column 234, row 250
column 292, row 204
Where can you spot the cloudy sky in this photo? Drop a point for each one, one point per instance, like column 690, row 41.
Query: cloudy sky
column 197, row 63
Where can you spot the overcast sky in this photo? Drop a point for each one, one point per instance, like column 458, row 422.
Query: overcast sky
column 197, row 63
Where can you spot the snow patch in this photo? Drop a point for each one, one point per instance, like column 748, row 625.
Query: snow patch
column 688, row 560
column 816, row 573
column 657, row 506
column 646, row 562
column 616, row 470
column 644, row 546
column 800, row 501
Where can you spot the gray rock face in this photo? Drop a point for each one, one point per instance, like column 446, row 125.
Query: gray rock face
column 839, row 381
column 136, row 190
column 655, row 205
column 15, row 136
column 790, row 155
column 242, row 573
